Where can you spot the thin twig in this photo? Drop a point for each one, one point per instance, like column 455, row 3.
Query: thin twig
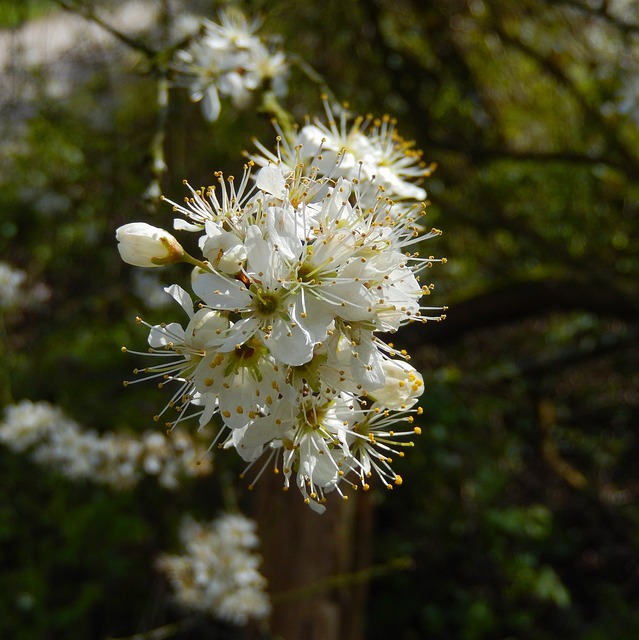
column 88, row 14
column 161, row 633
column 402, row 563
column 158, row 160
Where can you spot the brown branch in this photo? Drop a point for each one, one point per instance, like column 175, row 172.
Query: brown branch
column 547, row 418
column 413, row 74
column 576, row 354
column 517, row 301
column 627, row 161
column 91, row 16
column 481, row 154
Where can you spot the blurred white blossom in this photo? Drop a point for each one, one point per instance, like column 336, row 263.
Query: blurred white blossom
column 218, row 573
column 228, row 60
column 14, row 295
column 147, row 287
column 115, row 459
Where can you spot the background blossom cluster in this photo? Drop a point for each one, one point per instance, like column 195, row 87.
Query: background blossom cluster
column 14, row 294
column 110, row 458
column 304, row 263
column 218, row 573
column 227, row 59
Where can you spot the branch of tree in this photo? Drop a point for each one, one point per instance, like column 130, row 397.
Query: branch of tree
column 91, row 16
column 515, row 302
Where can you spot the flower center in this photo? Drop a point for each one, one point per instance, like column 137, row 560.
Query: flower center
column 250, row 352
column 309, row 273
column 265, row 303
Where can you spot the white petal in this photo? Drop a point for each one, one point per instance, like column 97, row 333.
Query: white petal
column 285, row 231
column 211, row 104
column 162, row 335
column 183, row 225
column 220, row 292
column 289, row 344
column 239, row 333
column 353, row 301
column 271, row 180
column 206, row 328
column 181, row 297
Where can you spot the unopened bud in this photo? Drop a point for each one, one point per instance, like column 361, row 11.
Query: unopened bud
column 144, row 245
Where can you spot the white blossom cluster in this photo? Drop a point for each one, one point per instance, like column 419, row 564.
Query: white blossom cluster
column 301, row 268
column 218, row 574
column 109, row 458
column 228, row 60
column 13, row 293
column 366, row 149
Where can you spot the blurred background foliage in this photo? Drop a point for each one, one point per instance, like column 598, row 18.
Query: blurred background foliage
column 519, row 507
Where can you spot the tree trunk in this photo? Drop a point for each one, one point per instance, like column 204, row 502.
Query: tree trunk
column 310, row 559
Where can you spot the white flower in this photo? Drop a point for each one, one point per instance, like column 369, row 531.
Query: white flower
column 349, row 146
column 241, row 530
column 244, row 382
column 11, row 281
column 28, row 422
column 267, row 301
column 374, row 439
column 184, row 348
column 111, row 458
column 143, row 245
column 218, row 573
column 223, row 249
column 397, row 163
column 229, row 207
column 229, row 60
column 403, row 385
column 366, row 149
column 13, row 294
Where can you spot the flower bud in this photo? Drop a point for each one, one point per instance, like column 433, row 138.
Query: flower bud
column 402, row 387
column 223, row 249
column 143, row 245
